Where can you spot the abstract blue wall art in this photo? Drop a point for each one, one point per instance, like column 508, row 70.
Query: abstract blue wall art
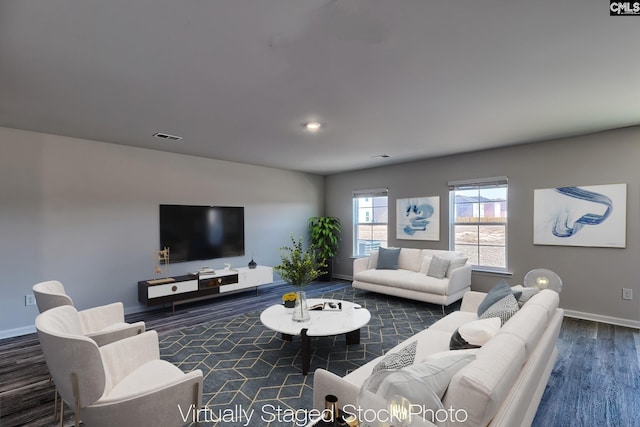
column 581, row 216
column 418, row 218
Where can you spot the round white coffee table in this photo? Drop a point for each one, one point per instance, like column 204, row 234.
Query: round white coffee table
column 346, row 321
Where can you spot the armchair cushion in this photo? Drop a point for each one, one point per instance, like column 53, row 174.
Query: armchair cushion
column 145, row 379
column 117, row 360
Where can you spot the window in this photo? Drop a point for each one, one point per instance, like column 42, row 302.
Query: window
column 370, row 218
column 478, row 221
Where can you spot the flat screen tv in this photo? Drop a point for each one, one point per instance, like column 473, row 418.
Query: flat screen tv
column 201, row 232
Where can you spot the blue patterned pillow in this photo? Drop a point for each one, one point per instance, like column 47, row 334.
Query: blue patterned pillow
column 404, row 357
column 499, row 291
column 504, row 309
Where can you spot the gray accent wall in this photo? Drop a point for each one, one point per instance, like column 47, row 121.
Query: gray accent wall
column 593, row 277
column 86, row 213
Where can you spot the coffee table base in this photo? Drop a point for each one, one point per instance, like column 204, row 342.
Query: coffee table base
column 351, row 338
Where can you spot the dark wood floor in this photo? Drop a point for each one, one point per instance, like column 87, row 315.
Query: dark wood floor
column 596, row 380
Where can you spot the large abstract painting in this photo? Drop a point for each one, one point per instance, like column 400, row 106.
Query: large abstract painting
column 418, row 218
column 581, row 216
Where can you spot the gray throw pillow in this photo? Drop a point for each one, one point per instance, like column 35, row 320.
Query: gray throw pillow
column 504, row 309
column 499, row 291
column 404, row 357
column 388, row 258
column 438, row 267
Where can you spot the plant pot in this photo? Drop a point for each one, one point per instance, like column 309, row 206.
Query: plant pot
column 327, row 272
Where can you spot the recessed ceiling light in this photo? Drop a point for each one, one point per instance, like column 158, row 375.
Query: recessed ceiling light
column 166, row 136
column 313, row 126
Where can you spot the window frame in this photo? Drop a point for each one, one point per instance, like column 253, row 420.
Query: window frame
column 479, row 185
column 361, row 194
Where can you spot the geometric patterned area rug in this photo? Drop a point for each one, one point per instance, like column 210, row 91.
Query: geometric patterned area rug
column 254, row 378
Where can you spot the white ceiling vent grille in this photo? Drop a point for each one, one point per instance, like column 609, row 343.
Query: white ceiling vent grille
column 167, row 137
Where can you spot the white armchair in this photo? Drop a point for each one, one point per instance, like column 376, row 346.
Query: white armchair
column 104, row 324
column 124, row 383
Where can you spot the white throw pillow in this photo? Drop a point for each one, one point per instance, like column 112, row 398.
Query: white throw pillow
column 373, row 260
column 455, row 263
column 478, row 332
column 426, row 261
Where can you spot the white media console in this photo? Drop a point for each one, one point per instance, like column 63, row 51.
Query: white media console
column 203, row 285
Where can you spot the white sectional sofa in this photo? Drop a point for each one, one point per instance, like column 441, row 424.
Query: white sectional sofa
column 411, row 279
column 502, row 386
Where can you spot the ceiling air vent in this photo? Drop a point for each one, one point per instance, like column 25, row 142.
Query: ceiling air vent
column 167, row 136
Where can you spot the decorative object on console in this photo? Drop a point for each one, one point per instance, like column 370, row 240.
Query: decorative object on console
column 252, row 264
column 159, row 258
column 542, row 278
column 418, row 218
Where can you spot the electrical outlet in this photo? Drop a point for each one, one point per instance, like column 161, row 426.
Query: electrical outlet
column 627, row 293
column 29, row 300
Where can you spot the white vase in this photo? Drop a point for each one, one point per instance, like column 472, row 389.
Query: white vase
column 301, row 310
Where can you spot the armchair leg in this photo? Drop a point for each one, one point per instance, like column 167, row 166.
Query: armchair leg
column 55, row 401
column 76, row 395
column 197, row 402
column 61, row 412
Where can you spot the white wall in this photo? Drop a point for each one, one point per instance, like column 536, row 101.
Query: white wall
column 593, row 277
column 86, row 213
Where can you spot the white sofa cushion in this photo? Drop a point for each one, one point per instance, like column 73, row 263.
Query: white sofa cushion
column 435, row 373
column 404, row 279
column 481, row 386
column 410, row 259
column 528, row 324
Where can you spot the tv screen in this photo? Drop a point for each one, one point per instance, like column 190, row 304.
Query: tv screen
column 201, row 232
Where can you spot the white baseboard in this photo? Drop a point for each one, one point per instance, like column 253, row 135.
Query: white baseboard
column 602, row 319
column 10, row 333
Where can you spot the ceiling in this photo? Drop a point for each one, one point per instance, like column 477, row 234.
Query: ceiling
column 236, row 79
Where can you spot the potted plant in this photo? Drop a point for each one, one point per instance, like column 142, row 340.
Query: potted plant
column 324, row 233
column 299, row 267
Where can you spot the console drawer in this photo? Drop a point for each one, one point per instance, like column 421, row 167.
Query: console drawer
column 173, row 288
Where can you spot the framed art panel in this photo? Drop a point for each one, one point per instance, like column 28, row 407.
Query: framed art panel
column 418, row 218
column 581, row 216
